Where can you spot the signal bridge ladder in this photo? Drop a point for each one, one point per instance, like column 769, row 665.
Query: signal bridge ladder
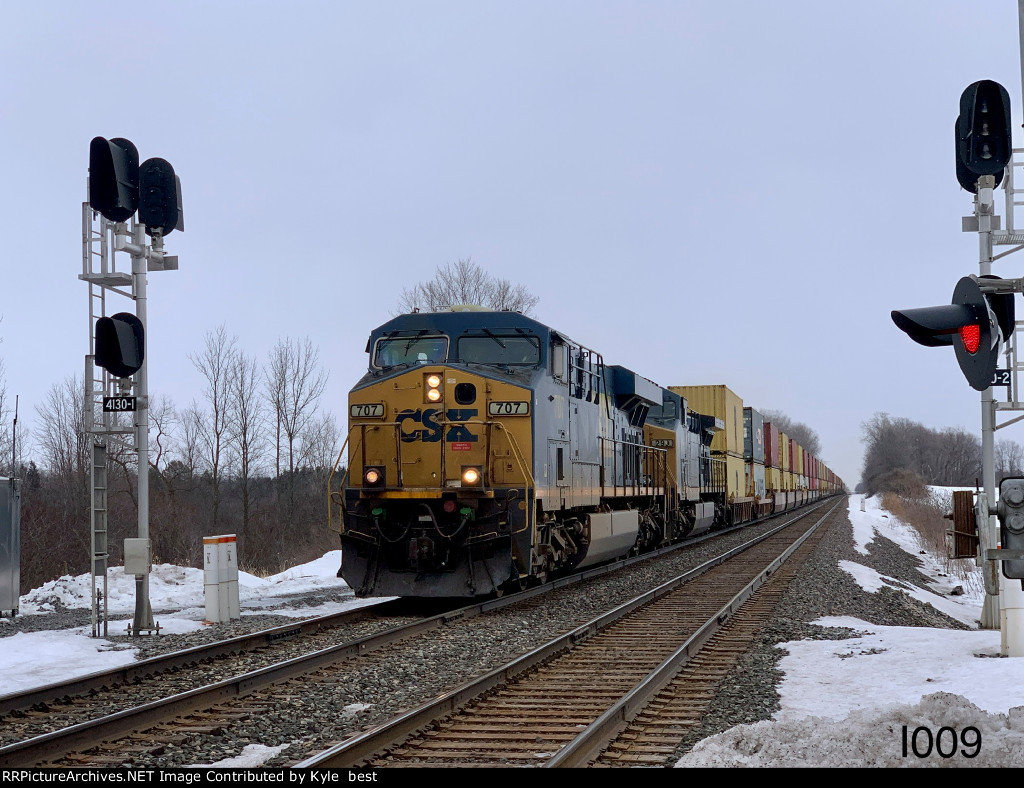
column 99, row 270
column 1011, row 237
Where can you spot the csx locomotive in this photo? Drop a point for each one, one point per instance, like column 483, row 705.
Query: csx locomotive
column 487, row 451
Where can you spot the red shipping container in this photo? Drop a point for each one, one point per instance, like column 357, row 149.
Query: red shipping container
column 771, row 445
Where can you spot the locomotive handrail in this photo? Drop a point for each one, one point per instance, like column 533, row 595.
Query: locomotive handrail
column 530, row 513
column 341, row 496
column 330, row 493
column 637, row 487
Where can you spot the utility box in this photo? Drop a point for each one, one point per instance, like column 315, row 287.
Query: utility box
column 220, row 578
column 10, row 545
column 137, row 557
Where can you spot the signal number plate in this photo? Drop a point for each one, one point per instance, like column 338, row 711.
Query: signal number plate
column 368, row 411
column 508, row 408
column 663, row 443
column 1001, row 377
column 118, row 404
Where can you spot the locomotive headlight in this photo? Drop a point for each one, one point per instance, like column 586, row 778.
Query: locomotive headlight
column 373, row 476
column 433, row 387
column 471, row 476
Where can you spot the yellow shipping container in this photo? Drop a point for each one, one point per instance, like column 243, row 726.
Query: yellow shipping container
column 724, row 404
column 771, row 478
column 784, row 452
column 735, row 472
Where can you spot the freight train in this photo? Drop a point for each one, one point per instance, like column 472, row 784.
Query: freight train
column 488, row 452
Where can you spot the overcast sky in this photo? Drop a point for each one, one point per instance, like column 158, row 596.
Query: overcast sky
column 707, row 192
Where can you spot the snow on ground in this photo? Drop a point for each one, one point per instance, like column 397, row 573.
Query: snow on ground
column 843, row 703
column 177, row 597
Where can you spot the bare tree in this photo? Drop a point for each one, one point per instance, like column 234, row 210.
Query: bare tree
column 66, row 456
column 62, row 435
column 1009, row 459
column 188, row 453
column 162, row 420
column 465, row 282
column 958, row 457
column 320, row 442
column 247, row 425
column 951, row 456
column 215, row 362
column 294, row 385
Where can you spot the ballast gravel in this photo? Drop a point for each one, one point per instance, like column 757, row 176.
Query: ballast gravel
column 305, row 717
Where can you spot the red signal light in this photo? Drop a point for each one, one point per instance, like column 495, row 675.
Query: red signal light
column 971, row 335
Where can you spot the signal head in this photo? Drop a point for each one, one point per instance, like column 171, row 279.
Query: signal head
column 114, row 178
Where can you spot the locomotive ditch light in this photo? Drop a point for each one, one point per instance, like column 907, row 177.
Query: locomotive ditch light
column 472, row 476
column 373, row 476
column 433, row 387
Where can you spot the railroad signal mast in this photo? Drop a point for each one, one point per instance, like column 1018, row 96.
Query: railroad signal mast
column 980, row 324
column 126, row 203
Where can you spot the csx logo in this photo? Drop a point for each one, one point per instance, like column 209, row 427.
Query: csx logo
column 431, row 430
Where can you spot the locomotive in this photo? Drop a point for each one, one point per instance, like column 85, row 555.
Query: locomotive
column 487, row 452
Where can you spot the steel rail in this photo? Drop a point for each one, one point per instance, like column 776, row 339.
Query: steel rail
column 356, row 750
column 596, row 736
column 49, row 746
column 126, row 674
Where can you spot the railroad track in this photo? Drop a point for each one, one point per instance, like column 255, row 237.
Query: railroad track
column 76, row 731
column 35, row 699
column 567, row 703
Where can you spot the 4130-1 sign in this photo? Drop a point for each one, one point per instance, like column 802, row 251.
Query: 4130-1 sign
column 118, row 404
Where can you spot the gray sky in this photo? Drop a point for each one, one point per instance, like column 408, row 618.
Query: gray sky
column 705, row 192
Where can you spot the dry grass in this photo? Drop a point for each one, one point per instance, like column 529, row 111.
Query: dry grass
column 927, row 516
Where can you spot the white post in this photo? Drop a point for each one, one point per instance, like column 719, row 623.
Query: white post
column 1012, row 607
column 990, row 618
column 143, row 612
column 220, row 559
column 211, row 579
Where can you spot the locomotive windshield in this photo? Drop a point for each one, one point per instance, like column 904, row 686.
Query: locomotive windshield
column 410, row 350
column 499, row 349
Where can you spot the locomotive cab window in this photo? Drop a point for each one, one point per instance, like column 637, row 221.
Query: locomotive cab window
column 410, row 350
column 498, row 349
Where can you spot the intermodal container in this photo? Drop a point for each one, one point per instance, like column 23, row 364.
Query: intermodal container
column 756, row 479
column 753, row 436
column 722, row 403
column 736, row 479
column 771, row 445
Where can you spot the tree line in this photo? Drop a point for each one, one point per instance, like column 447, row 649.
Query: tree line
column 902, row 456
column 250, row 456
